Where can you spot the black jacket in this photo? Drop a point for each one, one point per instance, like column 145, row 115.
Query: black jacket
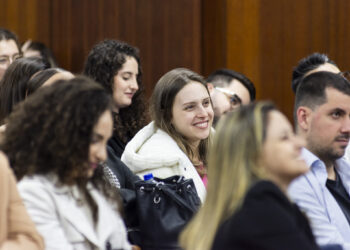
column 125, row 176
column 266, row 220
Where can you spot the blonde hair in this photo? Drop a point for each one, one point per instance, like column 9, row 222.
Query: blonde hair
column 162, row 102
column 233, row 166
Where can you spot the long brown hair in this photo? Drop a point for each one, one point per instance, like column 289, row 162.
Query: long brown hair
column 162, row 102
column 233, row 166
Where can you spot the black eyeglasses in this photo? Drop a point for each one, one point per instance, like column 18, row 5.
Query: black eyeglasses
column 235, row 100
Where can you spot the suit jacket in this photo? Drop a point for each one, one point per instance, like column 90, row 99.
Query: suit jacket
column 62, row 221
column 266, row 220
column 17, row 230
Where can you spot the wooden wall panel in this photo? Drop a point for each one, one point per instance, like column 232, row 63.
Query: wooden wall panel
column 265, row 39
column 168, row 33
column 29, row 19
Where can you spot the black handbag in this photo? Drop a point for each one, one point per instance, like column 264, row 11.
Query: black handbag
column 164, row 207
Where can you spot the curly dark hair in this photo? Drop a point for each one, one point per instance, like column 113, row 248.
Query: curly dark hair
column 50, row 133
column 102, row 64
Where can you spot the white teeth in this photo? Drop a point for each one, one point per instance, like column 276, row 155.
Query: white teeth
column 202, row 125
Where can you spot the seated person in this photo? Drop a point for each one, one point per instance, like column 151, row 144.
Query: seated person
column 254, row 157
column 17, row 230
column 56, row 142
column 322, row 109
column 176, row 142
column 228, row 91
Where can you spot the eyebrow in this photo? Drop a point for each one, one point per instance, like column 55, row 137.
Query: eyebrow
column 337, row 110
column 196, row 101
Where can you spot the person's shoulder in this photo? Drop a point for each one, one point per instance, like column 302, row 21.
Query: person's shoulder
column 35, row 183
column 265, row 203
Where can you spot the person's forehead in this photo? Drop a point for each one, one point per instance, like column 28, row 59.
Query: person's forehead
column 336, row 99
column 238, row 87
column 8, row 47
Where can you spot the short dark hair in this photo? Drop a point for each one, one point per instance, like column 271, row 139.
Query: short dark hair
column 223, row 77
column 307, row 64
column 312, row 90
column 6, row 34
column 45, row 52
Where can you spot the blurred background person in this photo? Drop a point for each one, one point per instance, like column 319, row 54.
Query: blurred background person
column 9, row 50
column 312, row 63
column 17, row 230
column 254, row 157
column 229, row 90
column 38, row 49
column 46, row 77
column 13, row 86
column 56, row 142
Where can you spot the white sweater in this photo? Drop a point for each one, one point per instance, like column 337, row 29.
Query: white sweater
column 153, row 151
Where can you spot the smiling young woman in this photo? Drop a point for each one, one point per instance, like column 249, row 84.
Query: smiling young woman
column 117, row 67
column 176, row 141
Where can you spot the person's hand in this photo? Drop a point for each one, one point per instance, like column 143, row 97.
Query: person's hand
column 135, row 247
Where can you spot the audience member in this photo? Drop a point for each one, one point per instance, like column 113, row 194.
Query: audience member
column 117, row 67
column 56, row 141
column 229, row 90
column 313, row 63
column 13, row 86
column 46, row 77
column 322, row 109
column 9, row 50
column 254, row 157
column 17, row 230
column 176, row 142
column 38, row 49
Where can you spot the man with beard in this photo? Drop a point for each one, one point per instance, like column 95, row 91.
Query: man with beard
column 322, row 110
